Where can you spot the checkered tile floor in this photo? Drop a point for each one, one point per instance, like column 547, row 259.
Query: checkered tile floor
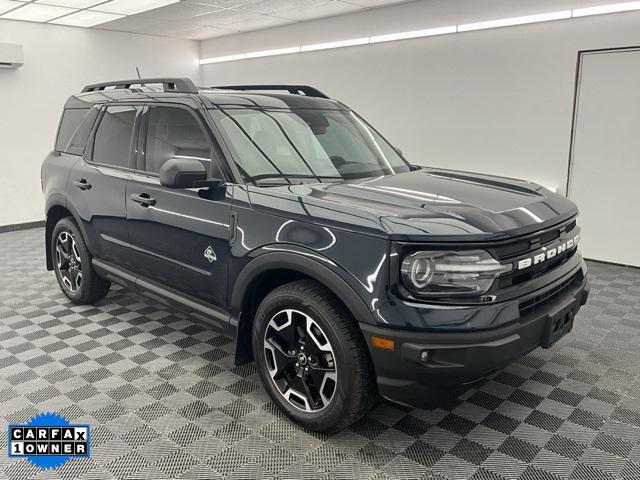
column 165, row 400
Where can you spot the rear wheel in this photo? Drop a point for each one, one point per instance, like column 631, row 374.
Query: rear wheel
column 311, row 357
column 72, row 264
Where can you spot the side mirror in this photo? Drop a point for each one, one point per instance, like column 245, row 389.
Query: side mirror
column 185, row 173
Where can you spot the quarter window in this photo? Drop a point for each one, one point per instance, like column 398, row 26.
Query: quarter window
column 175, row 133
column 114, row 136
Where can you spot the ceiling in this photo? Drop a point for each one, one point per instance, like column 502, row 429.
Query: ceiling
column 189, row 19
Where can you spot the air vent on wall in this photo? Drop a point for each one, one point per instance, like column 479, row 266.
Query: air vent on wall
column 11, row 55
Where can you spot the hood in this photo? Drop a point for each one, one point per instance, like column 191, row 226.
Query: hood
column 421, row 204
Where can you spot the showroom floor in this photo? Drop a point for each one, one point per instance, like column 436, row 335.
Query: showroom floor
column 165, row 401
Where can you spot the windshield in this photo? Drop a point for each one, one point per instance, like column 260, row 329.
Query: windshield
column 289, row 146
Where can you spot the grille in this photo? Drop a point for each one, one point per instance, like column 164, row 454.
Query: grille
column 532, row 245
column 539, row 301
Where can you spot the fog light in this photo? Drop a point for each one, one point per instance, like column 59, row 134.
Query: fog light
column 424, row 356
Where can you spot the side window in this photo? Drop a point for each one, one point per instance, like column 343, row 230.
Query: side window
column 71, row 120
column 174, row 132
column 112, row 145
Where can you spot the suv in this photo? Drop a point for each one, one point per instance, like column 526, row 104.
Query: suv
column 280, row 217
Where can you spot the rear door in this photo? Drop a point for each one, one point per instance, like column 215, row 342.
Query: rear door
column 97, row 184
column 179, row 237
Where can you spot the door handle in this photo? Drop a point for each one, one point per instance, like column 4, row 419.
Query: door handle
column 82, row 184
column 143, row 199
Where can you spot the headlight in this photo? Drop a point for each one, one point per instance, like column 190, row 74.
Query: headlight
column 453, row 273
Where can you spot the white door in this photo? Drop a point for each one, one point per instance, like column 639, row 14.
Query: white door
column 605, row 169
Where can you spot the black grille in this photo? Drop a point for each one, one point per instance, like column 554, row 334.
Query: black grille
column 531, row 245
column 539, row 301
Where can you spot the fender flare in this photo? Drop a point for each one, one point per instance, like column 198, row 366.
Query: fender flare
column 58, row 200
column 306, row 265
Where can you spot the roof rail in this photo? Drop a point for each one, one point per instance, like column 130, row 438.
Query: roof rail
column 295, row 89
column 170, row 85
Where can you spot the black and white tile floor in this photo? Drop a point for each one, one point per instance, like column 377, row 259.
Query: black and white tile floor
column 165, row 401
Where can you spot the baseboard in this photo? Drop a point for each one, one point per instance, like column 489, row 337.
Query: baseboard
column 21, row 226
column 604, row 262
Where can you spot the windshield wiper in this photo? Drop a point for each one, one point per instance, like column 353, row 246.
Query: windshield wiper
column 264, row 176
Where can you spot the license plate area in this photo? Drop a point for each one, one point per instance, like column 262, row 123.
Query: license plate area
column 558, row 325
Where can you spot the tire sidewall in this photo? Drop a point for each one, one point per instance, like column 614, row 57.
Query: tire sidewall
column 67, row 225
column 279, row 301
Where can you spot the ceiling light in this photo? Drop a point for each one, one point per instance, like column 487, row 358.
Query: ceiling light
column 131, row 7
column 6, row 5
column 71, row 3
column 270, row 53
column 612, row 8
column 226, row 58
column 34, row 12
column 86, row 18
column 340, row 43
column 429, row 32
column 507, row 22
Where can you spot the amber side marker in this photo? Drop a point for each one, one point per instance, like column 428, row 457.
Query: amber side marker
column 383, row 343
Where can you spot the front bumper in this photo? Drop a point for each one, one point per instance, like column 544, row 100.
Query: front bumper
column 457, row 358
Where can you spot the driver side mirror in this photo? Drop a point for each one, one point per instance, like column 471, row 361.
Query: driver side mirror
column 185, row 173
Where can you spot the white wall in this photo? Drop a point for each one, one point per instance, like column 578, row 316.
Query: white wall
column 496, row 101
column 59, row 61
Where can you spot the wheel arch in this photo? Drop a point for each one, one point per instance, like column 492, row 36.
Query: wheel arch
column 271, row 270
column 56, row 211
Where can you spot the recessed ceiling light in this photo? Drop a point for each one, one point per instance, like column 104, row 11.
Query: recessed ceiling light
column 508, row 22
column 602, row 9
column 131, row 7
column 34, row 12
column 86, row 18
column 6, row 5
column 71, row 3
column 226, row 58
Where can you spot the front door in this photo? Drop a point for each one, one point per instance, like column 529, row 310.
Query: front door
column 179, row 237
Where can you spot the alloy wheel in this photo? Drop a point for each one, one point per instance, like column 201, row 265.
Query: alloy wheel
column 68, row 262
column 300, row 360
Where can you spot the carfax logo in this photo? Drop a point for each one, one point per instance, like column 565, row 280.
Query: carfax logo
column 48, row 441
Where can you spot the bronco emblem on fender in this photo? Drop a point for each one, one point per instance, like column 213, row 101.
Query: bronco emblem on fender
column 210, row 255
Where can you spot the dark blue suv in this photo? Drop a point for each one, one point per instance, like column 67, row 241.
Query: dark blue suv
column 281, row 217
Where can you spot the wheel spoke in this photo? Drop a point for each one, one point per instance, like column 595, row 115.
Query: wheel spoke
column 63, row 257
column 300, row 360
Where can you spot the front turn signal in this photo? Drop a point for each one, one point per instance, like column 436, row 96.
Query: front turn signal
column 383, row 343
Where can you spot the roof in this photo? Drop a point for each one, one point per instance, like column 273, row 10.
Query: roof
column 182, row 90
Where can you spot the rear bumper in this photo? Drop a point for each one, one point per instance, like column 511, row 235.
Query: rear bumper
column 459, row 358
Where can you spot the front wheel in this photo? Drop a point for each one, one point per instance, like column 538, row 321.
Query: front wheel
column 311, row 357
column 72, row 264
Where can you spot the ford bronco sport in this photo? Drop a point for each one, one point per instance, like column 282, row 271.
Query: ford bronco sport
column 282, row 218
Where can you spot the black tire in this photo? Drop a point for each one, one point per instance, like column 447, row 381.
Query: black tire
column 90, row 287
column 353, row 391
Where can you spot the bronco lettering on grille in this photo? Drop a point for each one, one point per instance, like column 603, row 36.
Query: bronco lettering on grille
column 548, row 253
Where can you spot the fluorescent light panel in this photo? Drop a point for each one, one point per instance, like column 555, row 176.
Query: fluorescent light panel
column 86, row 18
column 604, row 9
column 71, row 3
column 131, row 7
column 270, row 53
column 6, row 5
column 428, row 32
column 226, row 58
column 338, row 44
column 508, row 22
column 34, row 12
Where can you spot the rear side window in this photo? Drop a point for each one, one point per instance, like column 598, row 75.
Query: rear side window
column 79, row 139
column 113, row 138
column 71, row 120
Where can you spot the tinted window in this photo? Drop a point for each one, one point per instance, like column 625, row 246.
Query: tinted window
column 175, row 133
column 79, row 139
column 113, row 137
column 71, row 119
